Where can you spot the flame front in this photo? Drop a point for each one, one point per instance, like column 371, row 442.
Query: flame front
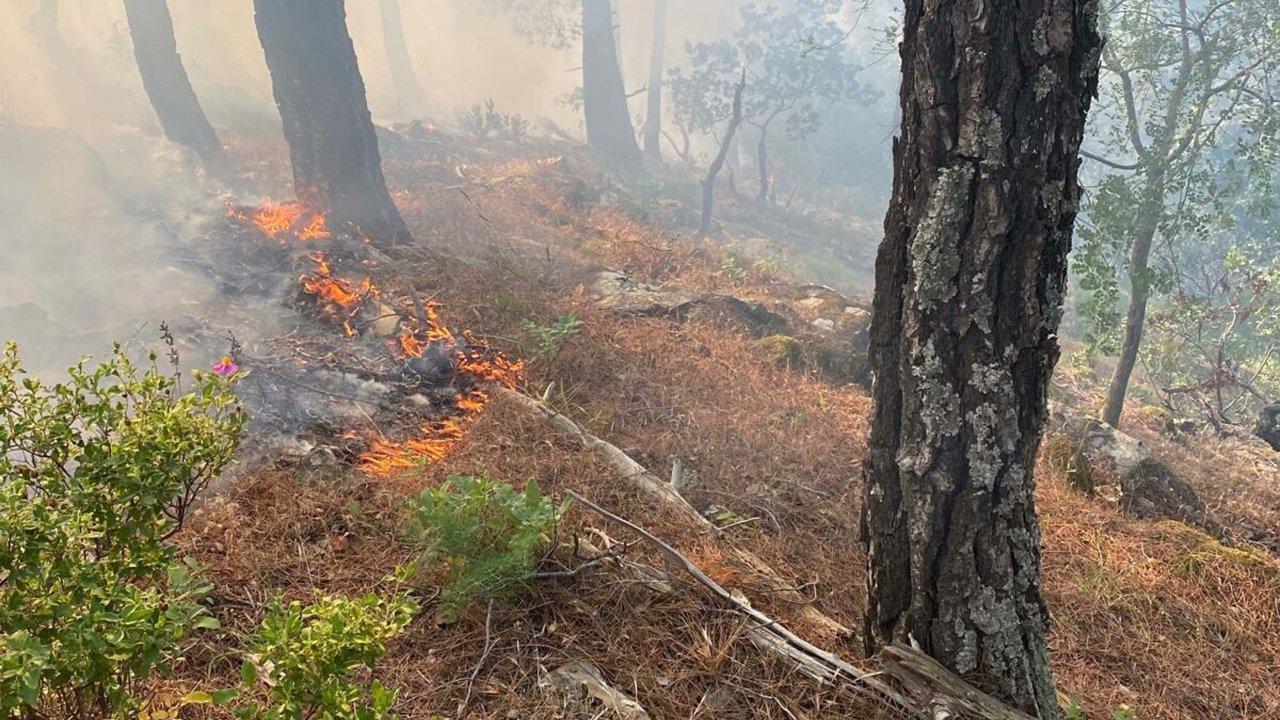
column 279, row 220
column 339, row 299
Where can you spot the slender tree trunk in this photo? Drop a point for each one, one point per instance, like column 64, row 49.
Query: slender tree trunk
column 409, row 93
column 709, row 182
column 1139, row 295
column 970, row 280
column 166, row 82
column 604, row 99
column 321, row 96
column 653, row 110
column 762, row 164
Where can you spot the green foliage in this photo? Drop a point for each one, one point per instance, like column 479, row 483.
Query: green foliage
column 486, row 122
column 1183, row 145
column 95, row 473
column 551, row 339
column 487, row 534
column 314, row 659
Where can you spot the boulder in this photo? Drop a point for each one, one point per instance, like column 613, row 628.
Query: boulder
column 1268, row 427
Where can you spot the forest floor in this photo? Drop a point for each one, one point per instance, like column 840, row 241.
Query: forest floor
column 1149, row 615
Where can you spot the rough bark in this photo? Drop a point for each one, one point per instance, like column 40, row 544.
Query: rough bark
column 653, row 108
column 321, row 96
column 412, row 99
column 604, row 99
column 709, row 182
column 165, row 80
column 970, row 280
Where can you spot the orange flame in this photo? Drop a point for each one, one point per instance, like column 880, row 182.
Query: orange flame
column 339, row 299
column 435, row 441
column 277, row 220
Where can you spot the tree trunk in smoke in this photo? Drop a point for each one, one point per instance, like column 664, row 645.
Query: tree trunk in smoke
column 653, row 111
column 165, row 80
column 43, row 26
column 409, row 91
column 1139, row 294
column 321, row 96
column 604, row 99
column 762, row 165
column 709, row 182
column 970, row 280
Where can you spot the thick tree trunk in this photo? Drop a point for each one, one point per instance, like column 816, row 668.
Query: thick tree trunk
column 709, row 182
column 604, row 99
column 657, row 65
column 321, row 96
column 1139, row 294
column 410, row 95
column 166, row 82
column 969, row 287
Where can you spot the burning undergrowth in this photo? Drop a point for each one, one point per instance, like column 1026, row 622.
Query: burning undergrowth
column 363, row 369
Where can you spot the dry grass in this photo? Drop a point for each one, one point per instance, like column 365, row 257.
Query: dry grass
column 1152, row 615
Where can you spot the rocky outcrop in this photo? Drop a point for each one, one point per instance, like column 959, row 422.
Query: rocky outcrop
column 622, row 295
column 1268, row 427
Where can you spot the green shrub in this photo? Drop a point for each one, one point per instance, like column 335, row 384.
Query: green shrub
column 95, row 473
column 314, row 660
column 487, row 535
column 551, row 339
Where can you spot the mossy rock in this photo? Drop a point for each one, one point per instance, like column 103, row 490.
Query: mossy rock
column 782, row 349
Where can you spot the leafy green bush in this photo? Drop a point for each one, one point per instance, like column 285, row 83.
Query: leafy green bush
column 314, row 660
column 487, row 534
column 95, row 473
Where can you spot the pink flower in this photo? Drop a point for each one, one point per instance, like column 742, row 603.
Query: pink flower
column 225, row 367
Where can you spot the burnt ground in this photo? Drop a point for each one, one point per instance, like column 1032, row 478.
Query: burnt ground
column 1152, row 615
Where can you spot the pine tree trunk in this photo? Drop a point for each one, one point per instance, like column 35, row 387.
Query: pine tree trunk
column 653, row 111
column 410, row 95
column 604, row 99
column 970, row 280
column 321, row 96
column 166, row 82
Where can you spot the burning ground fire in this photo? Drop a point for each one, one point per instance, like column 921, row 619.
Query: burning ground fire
column 423, row 347
column 279, row 221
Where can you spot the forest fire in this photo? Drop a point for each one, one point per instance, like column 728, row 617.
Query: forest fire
column 279, row 220
column 338, row 299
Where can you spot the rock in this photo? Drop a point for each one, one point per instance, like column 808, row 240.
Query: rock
column 1112, row 451
column 825, row 324
column 580, row 679
column 383, row 320
column 619, row 294
column 1268, row 427
column 782, row 349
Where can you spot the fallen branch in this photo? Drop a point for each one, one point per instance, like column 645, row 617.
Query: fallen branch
column 929, row 690
column 769, row 634
column 648, row 483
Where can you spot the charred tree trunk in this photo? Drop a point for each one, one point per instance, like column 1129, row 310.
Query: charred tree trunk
column 409, row 91
column 969, row 287
column 604, row 99
column 166, row 82
column 653, row 111
column 709, row 182
column 321, row 96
